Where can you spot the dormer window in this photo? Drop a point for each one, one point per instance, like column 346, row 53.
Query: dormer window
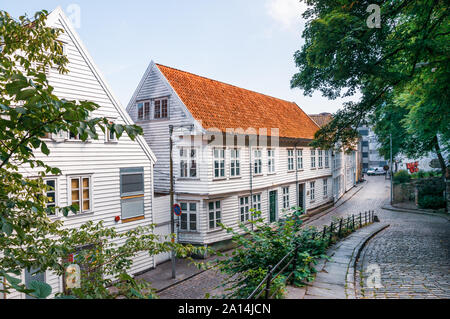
column 161, row 109
column 143, row 109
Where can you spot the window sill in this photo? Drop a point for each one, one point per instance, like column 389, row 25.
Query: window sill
column 269, row 174
column 79, row 215
column 236, row 177
column 291, row 171
column 213, row 231
column 188, row 232
column 132, row 219
column 313, row 168
column 258, row 175
column 112, row 142
column 187, row 179
column 312, row 201
column 219, row 179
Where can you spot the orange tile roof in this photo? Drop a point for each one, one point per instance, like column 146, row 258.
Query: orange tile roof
column 220, row 105
column 322, row 119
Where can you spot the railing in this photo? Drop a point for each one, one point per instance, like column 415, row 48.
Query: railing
column 337, row 229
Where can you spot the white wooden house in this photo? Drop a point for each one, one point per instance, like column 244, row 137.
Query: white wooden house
column 219, row 177
column 106, row 177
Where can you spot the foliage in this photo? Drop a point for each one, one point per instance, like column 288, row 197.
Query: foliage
column 264, row 245
column 401, row 71
column 29, row 111
column 106, row 257
column 432, row 202
column 402, row 177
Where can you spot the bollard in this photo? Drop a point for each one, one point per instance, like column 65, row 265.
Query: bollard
column 269, row 279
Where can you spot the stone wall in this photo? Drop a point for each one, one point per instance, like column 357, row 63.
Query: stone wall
column 411, row 192
column 404, row 192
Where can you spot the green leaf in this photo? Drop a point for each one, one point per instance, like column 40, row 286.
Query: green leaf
column 7, row 228
column 45, row 149
column 41, row 289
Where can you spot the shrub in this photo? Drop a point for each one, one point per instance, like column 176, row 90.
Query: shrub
column 265, row 245
column 401, row 177
column 432, row 202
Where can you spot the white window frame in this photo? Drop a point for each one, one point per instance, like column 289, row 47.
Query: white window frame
column 235, row 162
column 327, row 159
column 290, row 153
column 286, row 204
column 271, row 169
column 244, row 209
column 320, row 158
column 312, row 191
column 257, row 162
column 56, row 191
column 325, row 187
column 313, row 158
column 217, row 214
column 256, row 202
column 188, row 159
column 219, row 158
column 300, row 159
column 80, row 192
column 160, row 100
column 108, row 138
column 188, row 214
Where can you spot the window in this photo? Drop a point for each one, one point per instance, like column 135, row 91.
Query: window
column 299, row 159
column 132, row 192
column 161, row 109
column 365, row 143
column 364, row 132
column 110, row 135
column 188, row 162
column 244, row 208
column 320, row 159
column 188, row 216
column 286, row 197
column 327, row 159
column 312, row 187
column 257, row 162
column 235, row 164
column 81, row 193
column 215, row 212
column 325, row 187
column 219, row 162
column 147, row 110
column 313, row 158
column 140, row 109
column 51, row 194
column 257, row 202
column 74, row 137
column 271, row 160
column 290, row 160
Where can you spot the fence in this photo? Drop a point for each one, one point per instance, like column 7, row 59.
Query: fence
column 336, row 230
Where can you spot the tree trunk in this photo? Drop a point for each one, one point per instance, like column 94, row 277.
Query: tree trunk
column 440, row 157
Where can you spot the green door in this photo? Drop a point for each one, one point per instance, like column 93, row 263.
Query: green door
column 273, row 206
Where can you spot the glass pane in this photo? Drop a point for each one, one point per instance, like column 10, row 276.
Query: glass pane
column 86, row 205
column 75, row 195
column 211, row 205
column 193, row 207
column 183, row 206
column 211, row 216
column 183, row 217
column 218, row 204
column 85, row 194
column 75, row 183
column 132, row 183
column 51, row 198
column 51, row 184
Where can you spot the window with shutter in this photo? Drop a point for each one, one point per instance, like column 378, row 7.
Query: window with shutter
column 132, row 193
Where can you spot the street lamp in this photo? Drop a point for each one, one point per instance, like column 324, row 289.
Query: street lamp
column 172, row 217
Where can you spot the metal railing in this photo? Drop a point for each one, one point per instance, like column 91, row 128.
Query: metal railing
column 336, row 230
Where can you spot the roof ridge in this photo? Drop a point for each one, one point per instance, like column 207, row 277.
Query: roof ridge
column 204, row 77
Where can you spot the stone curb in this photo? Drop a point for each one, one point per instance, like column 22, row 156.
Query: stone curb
column 350, row 279
column 339, row 283
column 401, row 210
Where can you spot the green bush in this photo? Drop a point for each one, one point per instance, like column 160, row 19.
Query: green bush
column 432, row 202
column 265, row 245
column 401, row 177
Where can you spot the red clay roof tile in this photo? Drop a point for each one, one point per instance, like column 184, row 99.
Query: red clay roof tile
column 220, row 105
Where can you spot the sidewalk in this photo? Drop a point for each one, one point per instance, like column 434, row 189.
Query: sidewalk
column 430, row 212
column 335, row 278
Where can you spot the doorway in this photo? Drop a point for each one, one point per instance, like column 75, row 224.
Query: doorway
column 273, row 206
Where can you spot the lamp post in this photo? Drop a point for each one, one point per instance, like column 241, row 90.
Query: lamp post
column 172, row 201
column 392, row 191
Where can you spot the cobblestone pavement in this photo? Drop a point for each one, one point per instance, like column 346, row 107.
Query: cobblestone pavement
column 196, row 287
column 410, row 259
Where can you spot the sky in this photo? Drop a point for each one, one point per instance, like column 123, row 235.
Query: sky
column 247, row 43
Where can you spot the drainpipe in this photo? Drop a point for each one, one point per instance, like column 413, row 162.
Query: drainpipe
column 251, row 176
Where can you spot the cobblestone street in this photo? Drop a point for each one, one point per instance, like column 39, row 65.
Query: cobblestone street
column 412, row 254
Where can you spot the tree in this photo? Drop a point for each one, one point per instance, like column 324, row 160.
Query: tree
column 405, row 61
column 29, row 111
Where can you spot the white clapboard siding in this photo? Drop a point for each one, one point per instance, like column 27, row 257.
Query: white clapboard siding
column 97, row 158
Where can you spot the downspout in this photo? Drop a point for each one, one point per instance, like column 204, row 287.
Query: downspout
column 251, row 177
